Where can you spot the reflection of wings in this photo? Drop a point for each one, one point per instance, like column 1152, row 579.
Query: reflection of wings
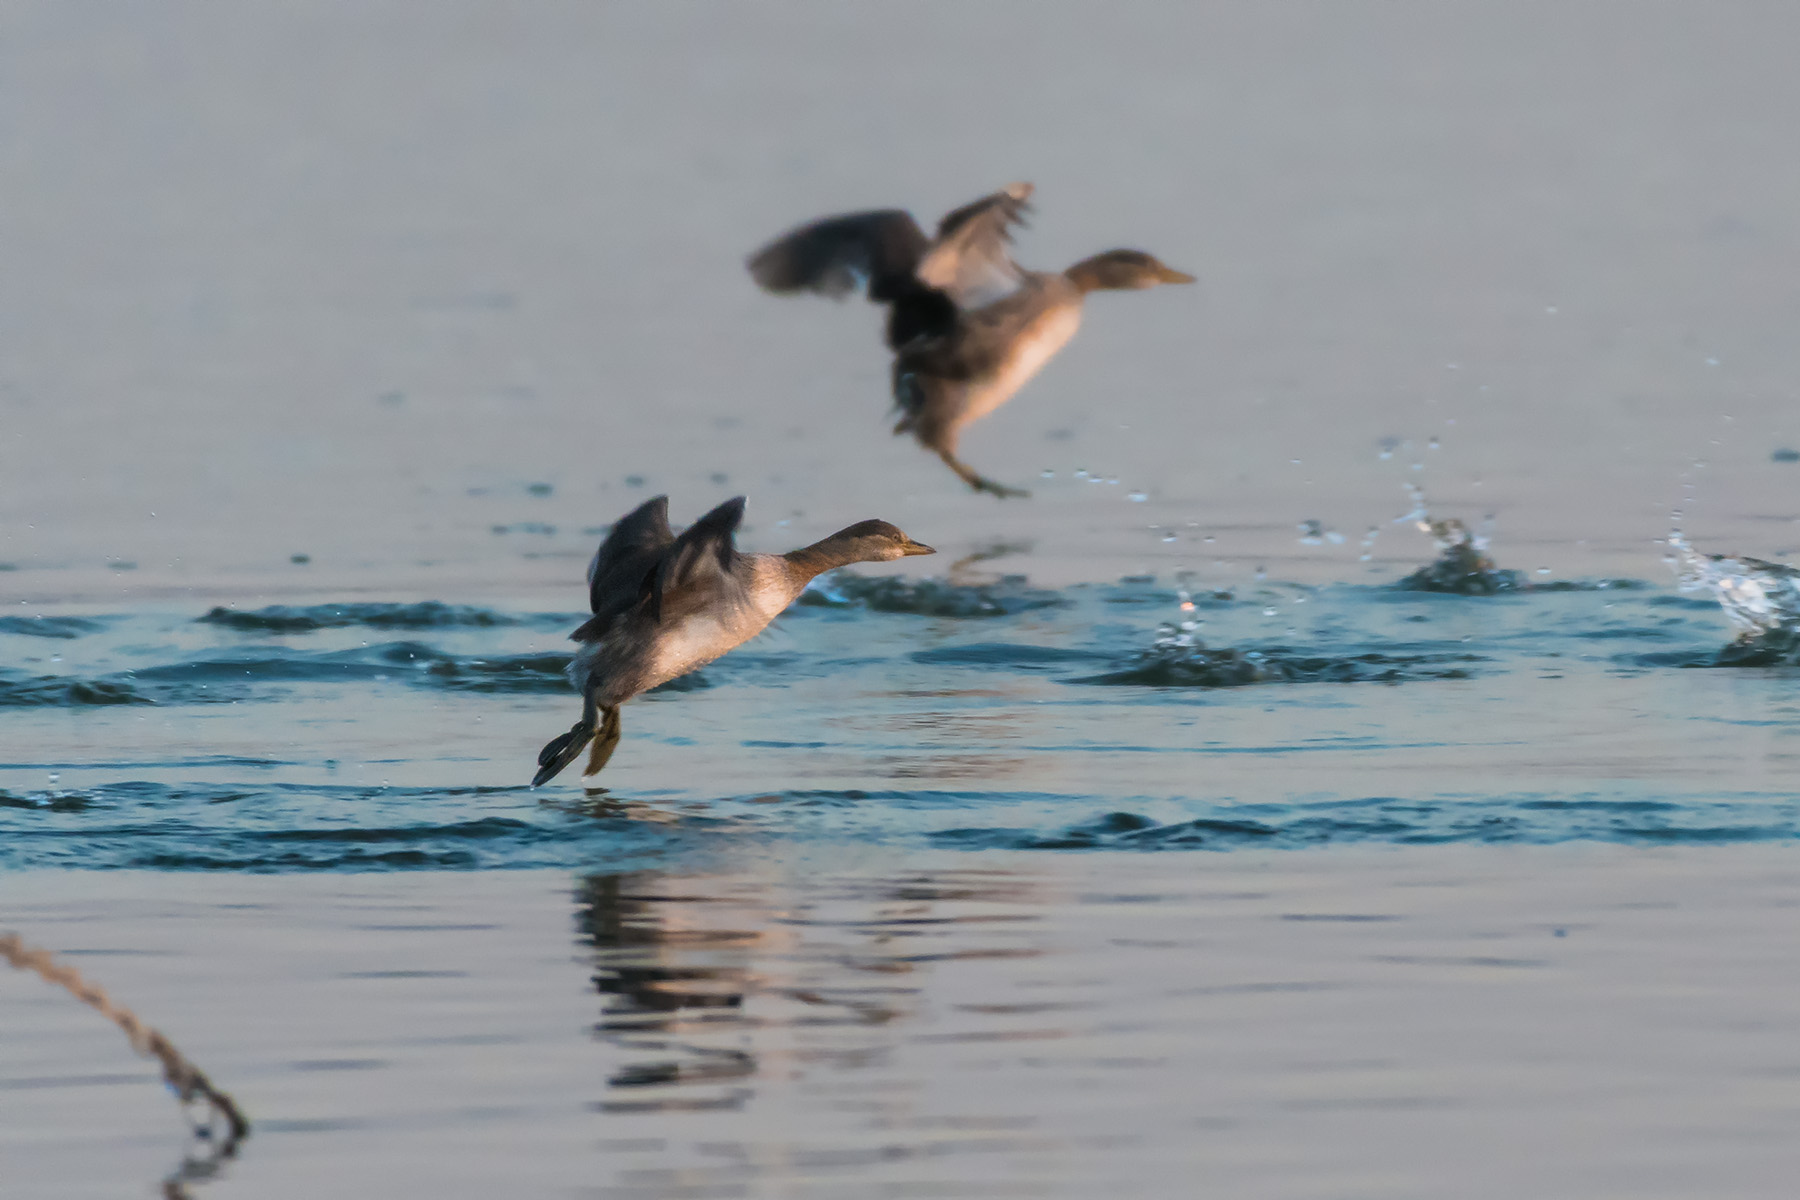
column 970, row 261
column 621, row 572
column 697, row 568
column 836, row 255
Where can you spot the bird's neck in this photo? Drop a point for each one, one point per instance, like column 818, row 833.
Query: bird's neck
column 1093, row 275
column 827, row 554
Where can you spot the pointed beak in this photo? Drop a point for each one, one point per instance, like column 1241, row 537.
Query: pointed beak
column 911, row 548
column 1171, row 275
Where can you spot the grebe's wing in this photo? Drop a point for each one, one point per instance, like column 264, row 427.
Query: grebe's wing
column 622, row 568
column 836, row 255
column 971, row 261
column 699, row 569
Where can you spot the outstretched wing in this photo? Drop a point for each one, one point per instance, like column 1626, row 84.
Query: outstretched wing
column 970, row 260
column 836, row 255
column 624, row 566
column 698, row 566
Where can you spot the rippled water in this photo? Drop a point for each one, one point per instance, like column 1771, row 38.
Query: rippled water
column 882, row 711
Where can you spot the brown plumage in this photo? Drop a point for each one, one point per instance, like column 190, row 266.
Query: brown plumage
column 968, row 326
column 665, row 605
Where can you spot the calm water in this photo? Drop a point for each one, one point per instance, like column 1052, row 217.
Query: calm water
column 333, row 335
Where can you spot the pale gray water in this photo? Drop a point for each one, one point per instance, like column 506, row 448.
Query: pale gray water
column 424, row 295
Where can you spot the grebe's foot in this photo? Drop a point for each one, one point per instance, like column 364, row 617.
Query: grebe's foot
column 977, row 480
column 1001, row 490
column 562, row 751
column 605, row 742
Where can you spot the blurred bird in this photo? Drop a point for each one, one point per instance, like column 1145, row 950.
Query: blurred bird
column 968, row 326
column 665, row 605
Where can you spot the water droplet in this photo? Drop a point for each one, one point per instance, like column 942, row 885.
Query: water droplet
column 1712, row 362
column 1169, row 537
column 1543, row 570
column 55, row 775
column 1269, row 612
column 1137, row 497
column 1550, row 310
column 1047, row 473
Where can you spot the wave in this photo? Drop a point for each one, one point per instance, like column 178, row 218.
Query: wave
column 20, row 690
column 1171, row 663
column 245, row 674
column 279, row 827
column 929, row 597
column 51, row 627
column 1397, row 821
column 428, row 614
column 295, row 827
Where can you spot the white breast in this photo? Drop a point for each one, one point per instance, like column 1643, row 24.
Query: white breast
column 690, row 644
column 705, row 636
column 1039, row 345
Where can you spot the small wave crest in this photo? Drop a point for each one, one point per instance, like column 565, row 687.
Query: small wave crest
column 20, row 690
column 242, row 675
column 51, row 627
column 1393, row 820
column 929, row 597
column 428, row 614
column 297, row 827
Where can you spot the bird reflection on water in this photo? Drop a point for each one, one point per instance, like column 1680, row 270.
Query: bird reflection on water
column 697, row 976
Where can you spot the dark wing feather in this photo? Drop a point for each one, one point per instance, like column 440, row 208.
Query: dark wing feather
column 625, row 564
column 970, row 261
column 700, row 562
column 836, row 255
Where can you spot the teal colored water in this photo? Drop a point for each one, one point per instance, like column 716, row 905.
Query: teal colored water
column 376, row 736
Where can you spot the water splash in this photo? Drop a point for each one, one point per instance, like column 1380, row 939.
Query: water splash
column 1178, row 658
column 1462, row 565
column 1761, row 600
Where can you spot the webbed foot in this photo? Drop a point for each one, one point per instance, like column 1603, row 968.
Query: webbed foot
column 978, row 481
column 605, row 742
column 561, row 751
column 1001, row 490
